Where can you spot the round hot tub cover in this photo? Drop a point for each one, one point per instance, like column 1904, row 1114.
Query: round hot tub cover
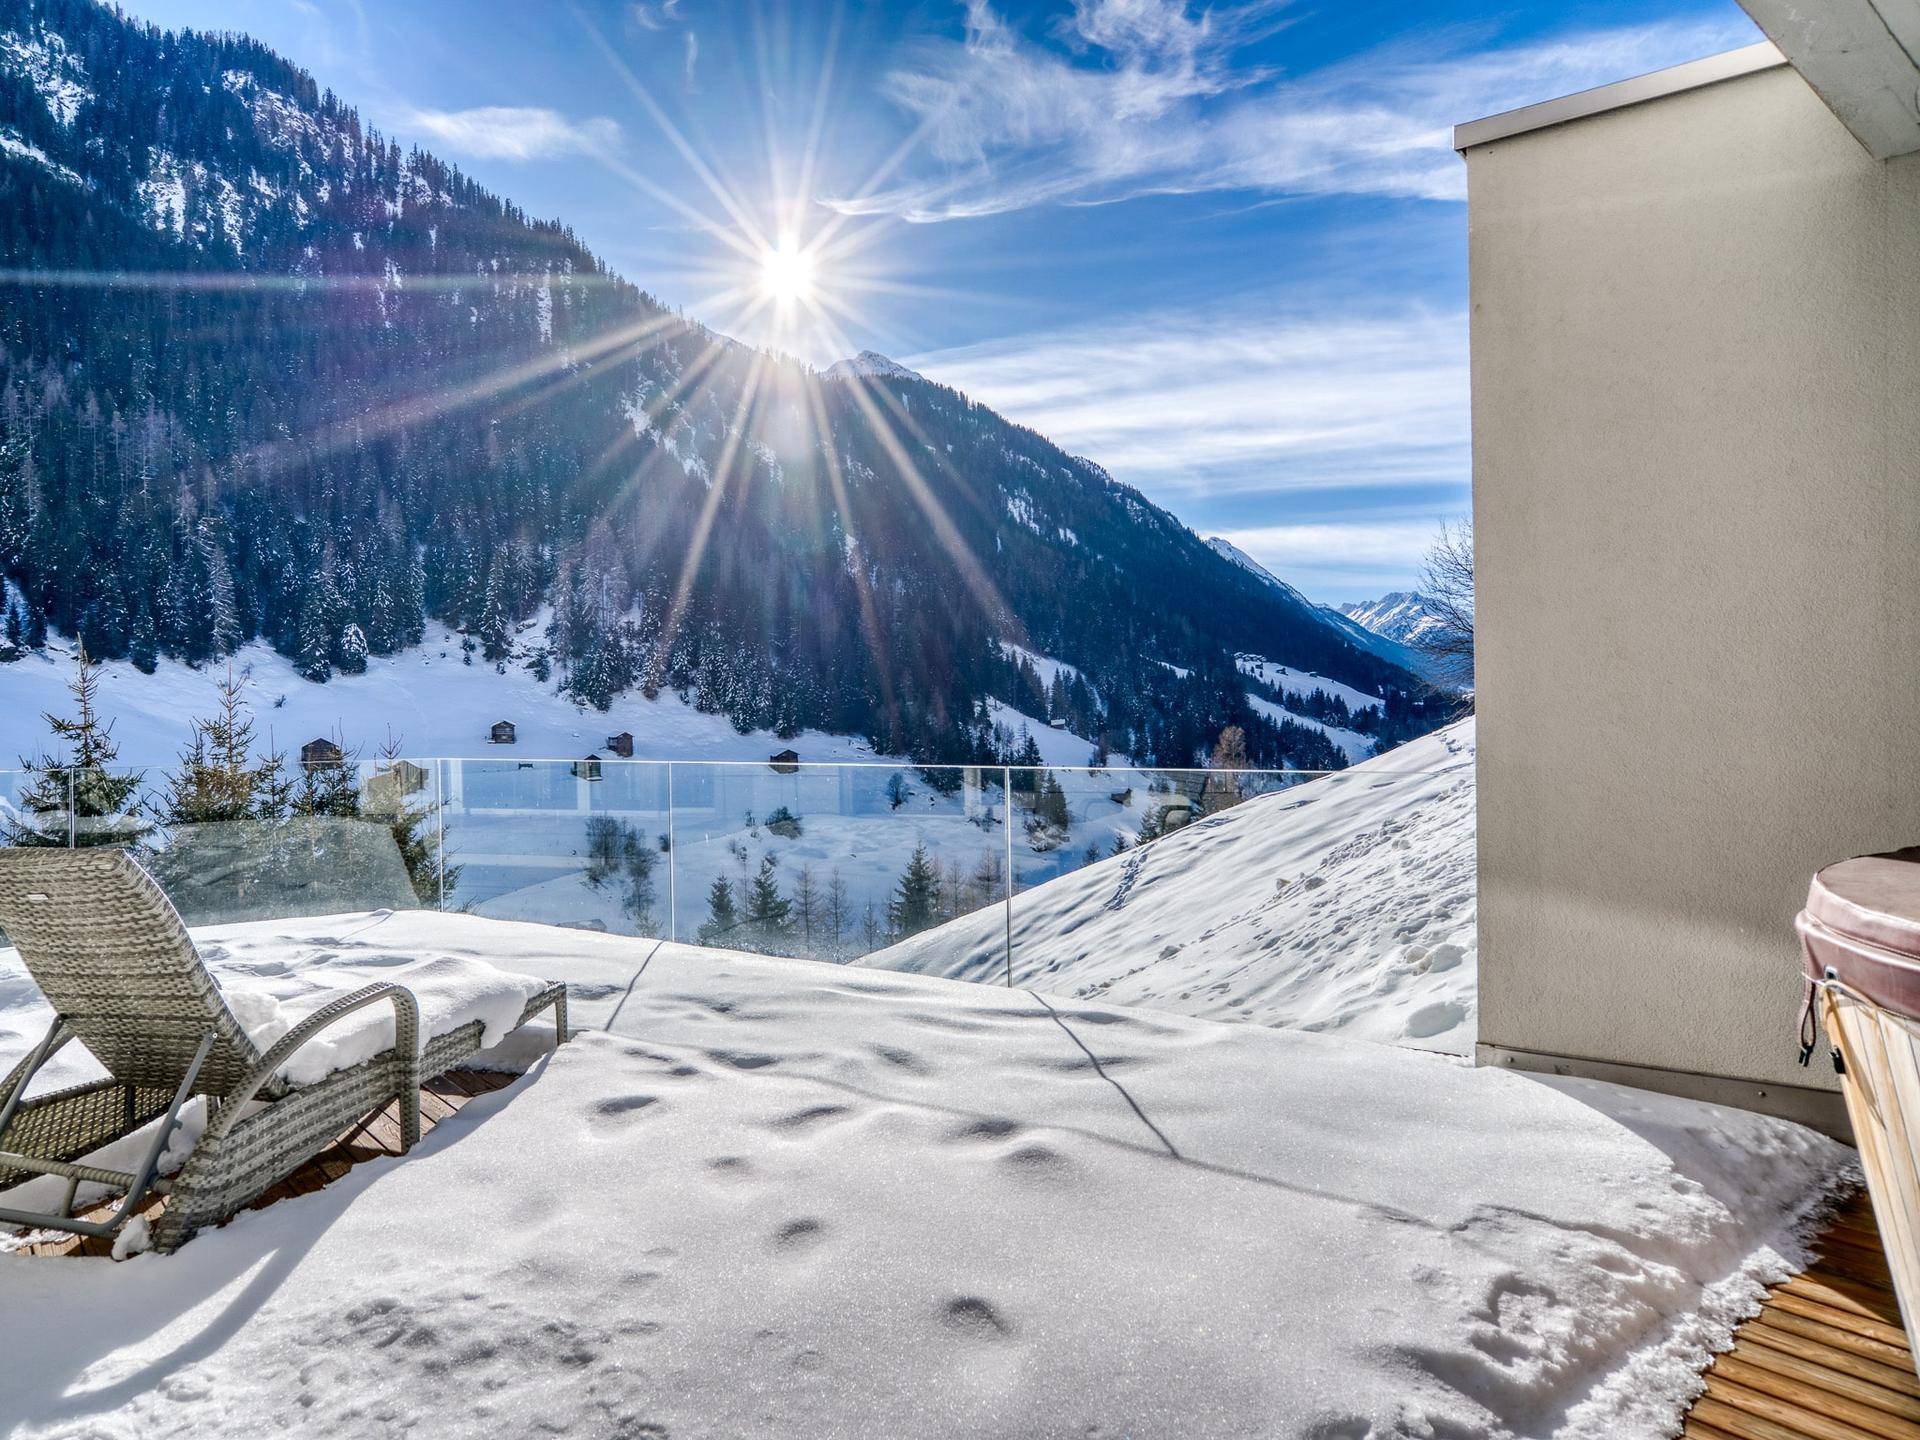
column 1861, row 928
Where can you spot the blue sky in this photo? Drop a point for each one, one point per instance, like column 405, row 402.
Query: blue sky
column 1222, row 252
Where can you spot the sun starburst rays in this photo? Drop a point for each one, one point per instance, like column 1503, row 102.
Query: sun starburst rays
column 769, row 265
column 788, row 275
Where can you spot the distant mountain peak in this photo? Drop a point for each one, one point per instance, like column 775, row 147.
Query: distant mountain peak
column 870, row 364
column 1387, row 627
column 1403, row 615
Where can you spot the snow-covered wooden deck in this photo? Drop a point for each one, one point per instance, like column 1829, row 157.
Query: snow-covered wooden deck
column 375, row 1135
column 1826, row 1359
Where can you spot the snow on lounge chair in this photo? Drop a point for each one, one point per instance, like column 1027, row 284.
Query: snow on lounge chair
column 110, row 953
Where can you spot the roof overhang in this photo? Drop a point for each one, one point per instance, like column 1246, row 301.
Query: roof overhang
column 1862, row 57
column 1691, row 76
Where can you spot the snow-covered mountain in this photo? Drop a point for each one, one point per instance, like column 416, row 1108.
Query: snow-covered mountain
column 1402, row 615
column 1394, row 649
column 871, row 365
column 1344, row 905
column 405, row 404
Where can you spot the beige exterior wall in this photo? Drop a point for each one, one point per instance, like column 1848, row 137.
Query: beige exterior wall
column 1696, row 414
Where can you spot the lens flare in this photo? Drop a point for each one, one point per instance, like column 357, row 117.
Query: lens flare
column 787, row 274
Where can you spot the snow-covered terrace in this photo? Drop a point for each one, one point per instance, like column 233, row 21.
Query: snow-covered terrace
column 761, row 1197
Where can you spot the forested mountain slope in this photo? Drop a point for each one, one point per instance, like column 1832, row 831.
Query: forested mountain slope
column 264, row 374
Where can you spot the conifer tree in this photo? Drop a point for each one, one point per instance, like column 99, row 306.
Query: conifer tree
column 638, row 860
column 838, row 914
column 807, row 916
column 353, row 651
column 768, row 920
column 1050, row 805
column 217, row 778
column 143, row 647
column 913, row 907
column 722, row 919
column 329, row 788
column 1029, row 757
column 277, row 792
column 383, row 623
column 496, row 625
column 79, row 798
column 603, row 849
column 314, row 658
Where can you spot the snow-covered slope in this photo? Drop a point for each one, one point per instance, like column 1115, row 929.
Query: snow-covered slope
column 1343, row 905
column 1388, row 647
column 425, row 697
column 869, row 364
column 791, row 1200
column 1402, row 615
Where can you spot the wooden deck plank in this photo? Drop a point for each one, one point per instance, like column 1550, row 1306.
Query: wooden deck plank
column 434, row 1108
column 383, row 1128
column 1793, row 1415
column 1826, row 1359
column 373, row 1137
column 1794, row 1303
column 1736, row 1421
column 1816, row 1375
column 1802, row 1385
column 1846, row 1296
column 1832, row 1351
column 1854, row 1267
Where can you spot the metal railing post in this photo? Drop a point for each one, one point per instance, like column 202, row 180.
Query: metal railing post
column 1007, row 825
column 73, row 825
column 440, row 834
column 673, row 866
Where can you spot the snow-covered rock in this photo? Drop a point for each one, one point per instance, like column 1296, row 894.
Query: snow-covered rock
column 1403, row 615
column 780, row 1200
column 1343, row 905
column 53, row 70
column 870, row 365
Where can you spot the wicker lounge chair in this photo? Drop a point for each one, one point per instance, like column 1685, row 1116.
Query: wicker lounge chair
column 112, row 957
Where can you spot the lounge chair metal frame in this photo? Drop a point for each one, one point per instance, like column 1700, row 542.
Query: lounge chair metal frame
column 112, row 956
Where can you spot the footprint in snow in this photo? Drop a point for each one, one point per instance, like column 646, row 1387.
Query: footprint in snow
column 800, row 1120
column 974, row 1318
column 1434, row 1019
column 620, row 1109
column 799, row 1235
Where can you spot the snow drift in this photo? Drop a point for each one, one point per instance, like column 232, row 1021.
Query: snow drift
column 1344, row 905
column 789, row 1199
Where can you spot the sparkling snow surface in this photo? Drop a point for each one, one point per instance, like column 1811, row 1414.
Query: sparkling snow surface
column 430, row 701
column 788, row 1199
column 1343, row 905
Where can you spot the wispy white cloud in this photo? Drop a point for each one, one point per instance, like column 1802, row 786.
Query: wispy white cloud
column 655, row 14
column 1143, row 96
column 1238, row 400
column 514, row 132
column 670, row 15
column 1344, row 560
column 1364, row 545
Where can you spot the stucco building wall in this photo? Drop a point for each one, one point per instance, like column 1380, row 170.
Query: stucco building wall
column 1696, row 414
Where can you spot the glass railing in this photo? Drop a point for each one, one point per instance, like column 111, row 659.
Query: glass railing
column 1339, row 901
column 829, row 862
column 822, row 861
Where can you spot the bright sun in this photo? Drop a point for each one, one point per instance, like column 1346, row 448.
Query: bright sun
column 786, row 274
